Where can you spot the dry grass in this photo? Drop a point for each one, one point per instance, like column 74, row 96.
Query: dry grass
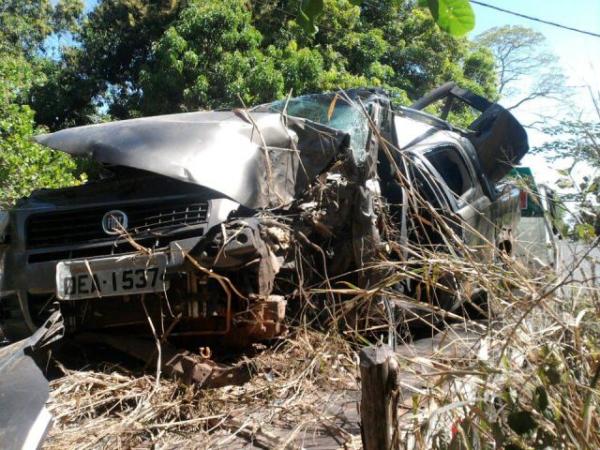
column 117, row 409
column 526, row 378
column 529, row 381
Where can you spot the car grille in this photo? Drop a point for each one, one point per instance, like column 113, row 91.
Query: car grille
column 85, row 225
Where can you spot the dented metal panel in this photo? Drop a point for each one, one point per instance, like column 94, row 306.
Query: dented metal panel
column 260, row 160
column 24, row 419
column 281, row 209
column 499, row 139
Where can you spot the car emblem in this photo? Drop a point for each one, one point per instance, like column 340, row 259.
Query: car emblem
column 114, row 222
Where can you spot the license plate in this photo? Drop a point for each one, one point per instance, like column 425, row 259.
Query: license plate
column 105, row 277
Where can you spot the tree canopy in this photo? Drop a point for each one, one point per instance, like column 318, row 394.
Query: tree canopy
column 136, row 59
column 578, row 141
column 23, row 28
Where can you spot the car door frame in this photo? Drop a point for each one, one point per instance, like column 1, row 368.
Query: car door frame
column 472, row 207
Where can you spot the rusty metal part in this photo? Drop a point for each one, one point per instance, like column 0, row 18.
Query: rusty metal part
column 193, row 369
column 263, row 320
column 258, row 315
column 227, row 287
column 187, row 367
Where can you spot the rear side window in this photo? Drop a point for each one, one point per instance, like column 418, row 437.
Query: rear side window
column 452, row 167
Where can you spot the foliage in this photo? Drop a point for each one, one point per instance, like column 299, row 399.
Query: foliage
column 131, row 58
column 549, row 402
column 579, row 142
column 210, row 56
column 137, row 59
column 115, row 40
column 25, row 24
column 453, row 16
column 308, row 12
column 25, row 166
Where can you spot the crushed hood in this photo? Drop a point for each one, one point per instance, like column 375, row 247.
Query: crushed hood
column 260, row 160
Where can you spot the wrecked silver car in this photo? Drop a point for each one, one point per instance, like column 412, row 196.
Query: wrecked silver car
column 217, row 224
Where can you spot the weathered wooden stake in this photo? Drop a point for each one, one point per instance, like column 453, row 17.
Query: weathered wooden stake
column 379, row 399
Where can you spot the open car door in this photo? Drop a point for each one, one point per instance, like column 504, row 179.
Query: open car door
column 498, row 137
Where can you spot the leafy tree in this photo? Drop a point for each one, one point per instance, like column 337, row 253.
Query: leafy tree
column 208, row 57
column 25, row 166
column 137, row 59
column 456, row 17
column 67, row 97
column 25, row 24
column 101, row 73
column 526, row 69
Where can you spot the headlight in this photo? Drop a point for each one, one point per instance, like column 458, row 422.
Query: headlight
column 3, row 225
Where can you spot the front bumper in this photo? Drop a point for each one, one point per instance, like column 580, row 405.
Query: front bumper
column 196, row 298
column 28, row 272
column 29, row 286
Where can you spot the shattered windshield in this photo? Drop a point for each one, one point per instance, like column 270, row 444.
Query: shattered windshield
column 332, row 111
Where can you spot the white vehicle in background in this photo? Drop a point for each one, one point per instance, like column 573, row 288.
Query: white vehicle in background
column 536, row 234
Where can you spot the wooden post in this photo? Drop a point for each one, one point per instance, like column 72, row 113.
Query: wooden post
column 379, row 399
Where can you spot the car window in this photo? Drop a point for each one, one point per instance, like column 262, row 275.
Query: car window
column 345, row 117
column 452, row 167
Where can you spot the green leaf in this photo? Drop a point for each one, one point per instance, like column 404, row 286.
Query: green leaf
column 585, row 231
column 356, row 2
column 308, row 12
column 308, row 26
column 453, row 16
column 521, row 422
